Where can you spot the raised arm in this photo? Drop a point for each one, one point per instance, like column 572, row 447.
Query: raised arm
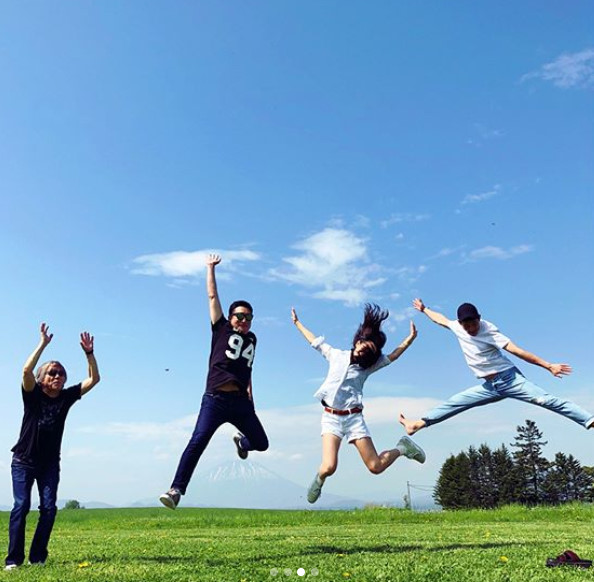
column 409, row 339
column 87, row 344
column 558, row 370
column 29, row 367
column 434, row 316
column 308, row 335
column 214, row 304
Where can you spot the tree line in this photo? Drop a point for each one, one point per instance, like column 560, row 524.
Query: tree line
column 485, row 478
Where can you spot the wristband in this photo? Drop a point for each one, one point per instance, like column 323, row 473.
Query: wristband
column 90, row 353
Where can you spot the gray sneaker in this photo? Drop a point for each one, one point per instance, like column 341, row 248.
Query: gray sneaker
column 242, row 453
column 171, row 498
column 411, row 450
column 315, row 489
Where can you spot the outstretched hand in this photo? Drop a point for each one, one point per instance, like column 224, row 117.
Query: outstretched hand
column 213, row 260
column 46, row 337
column 86, row 342
column 560, row 370
column 418, row 304
column 413, row 331
column 294, row 317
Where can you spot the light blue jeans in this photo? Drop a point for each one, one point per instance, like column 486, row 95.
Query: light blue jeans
column 507, row 384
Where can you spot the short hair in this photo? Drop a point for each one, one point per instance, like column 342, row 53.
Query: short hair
column 42, row 369
column 370, row 330
column 467, row 311
column 239, row 303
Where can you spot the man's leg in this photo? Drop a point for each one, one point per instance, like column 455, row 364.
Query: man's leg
column 472, row 397
column 212, row 415
column 48, row 479
column 244, row 417
column 23, row 477
column 515, row 385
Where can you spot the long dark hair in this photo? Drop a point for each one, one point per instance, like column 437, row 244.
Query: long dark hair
column 370, row 330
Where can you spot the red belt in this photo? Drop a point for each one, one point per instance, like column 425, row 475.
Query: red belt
column 342, row 412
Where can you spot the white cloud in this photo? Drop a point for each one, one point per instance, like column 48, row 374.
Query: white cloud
column 475, row 198
column 334, row 263
column 179, row 264
column 492, row 252
column 410, row 274
column 568, row 70
column 403, row 217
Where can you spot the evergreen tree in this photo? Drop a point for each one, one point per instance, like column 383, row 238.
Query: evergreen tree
column 530, row 466
column 504, row 477
column 454, row 487
column 567, row 481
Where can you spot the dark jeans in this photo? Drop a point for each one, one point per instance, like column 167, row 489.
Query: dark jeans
column 23, row 476
column 217, row 409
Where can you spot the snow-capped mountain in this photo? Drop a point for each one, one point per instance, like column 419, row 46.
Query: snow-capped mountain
column 249, row 485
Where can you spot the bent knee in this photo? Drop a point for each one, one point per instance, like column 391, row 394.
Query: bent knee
column 262, row 446
column 328, row 470
column 375, row 467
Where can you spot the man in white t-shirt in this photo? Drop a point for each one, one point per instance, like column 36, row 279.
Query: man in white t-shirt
column 481, row 344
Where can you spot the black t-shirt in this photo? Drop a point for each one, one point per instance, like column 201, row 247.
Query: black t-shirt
column 43, row 424
column 231, row 356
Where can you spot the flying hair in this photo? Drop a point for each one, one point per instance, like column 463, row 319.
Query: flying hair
column 370, row 330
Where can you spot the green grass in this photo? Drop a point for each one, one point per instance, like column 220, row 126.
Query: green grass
column 510, row 544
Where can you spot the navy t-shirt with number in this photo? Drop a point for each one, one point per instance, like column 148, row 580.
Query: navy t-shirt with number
column 231, row 357
column 42, row 428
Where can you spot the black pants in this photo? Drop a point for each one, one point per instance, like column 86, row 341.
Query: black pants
column 217, row 409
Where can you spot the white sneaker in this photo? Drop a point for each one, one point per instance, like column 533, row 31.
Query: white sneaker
column 171, row 498
column 315, row 489
column 10, row 567
column 411, row 450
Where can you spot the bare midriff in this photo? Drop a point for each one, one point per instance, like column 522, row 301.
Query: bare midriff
column 228, row 387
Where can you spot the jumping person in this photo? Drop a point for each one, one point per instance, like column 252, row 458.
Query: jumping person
column 228, row 395
column 341, row 396
column 36, row 456
column 481, row 344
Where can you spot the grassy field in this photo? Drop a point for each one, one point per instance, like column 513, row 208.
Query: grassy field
column 219, row 545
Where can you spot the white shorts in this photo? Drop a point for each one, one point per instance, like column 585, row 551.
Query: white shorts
column 351, row 426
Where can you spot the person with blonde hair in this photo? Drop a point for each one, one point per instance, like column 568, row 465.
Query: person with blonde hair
column 36, row 455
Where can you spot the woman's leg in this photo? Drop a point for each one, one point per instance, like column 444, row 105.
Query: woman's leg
column 375, row 463
column 330, row 447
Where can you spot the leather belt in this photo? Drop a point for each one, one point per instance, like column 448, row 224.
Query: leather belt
column 342, row 412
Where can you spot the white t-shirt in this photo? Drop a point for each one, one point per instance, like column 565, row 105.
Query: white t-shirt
column 343, row 387
column 483, row 351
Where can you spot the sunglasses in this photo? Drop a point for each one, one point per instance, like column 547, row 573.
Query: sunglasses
column 242, row 316
column 56, row 373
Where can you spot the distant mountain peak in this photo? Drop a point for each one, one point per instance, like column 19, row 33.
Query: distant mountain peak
column 240, row 471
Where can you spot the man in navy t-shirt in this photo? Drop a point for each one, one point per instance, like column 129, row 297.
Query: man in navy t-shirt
column 228, row 395
column 36, row 455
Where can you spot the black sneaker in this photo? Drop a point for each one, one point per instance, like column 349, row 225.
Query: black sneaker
column 242, row 453
column 171, row 498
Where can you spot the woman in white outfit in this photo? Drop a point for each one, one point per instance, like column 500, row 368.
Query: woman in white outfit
column 341, row 396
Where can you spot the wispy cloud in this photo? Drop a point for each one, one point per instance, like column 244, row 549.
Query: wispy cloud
column 481, row 197
column 492, row 252
column 334, row 264
column 567, row 70
column 403, row 217
column 484, row 133
column 178, row 264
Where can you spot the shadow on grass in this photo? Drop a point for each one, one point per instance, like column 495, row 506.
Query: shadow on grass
column 397, row 549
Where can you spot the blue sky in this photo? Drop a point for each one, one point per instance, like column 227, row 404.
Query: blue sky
column 333, row 153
